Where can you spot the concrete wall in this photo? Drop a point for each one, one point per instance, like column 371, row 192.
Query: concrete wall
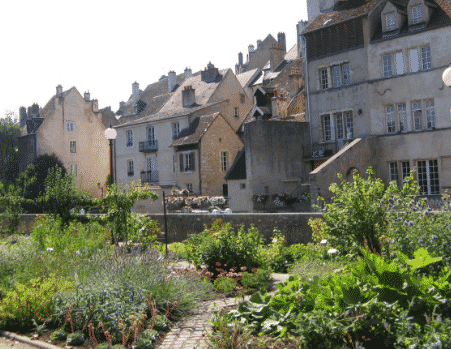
column 240, row 199
column 274, row 156
column 360, row 154
column 292, row 225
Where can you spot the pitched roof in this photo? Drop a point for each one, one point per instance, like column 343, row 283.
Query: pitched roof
column 238, row 168
column 108, row 117
column 261, row 55
column 328, row 19
column 196, row 129
column 203, row 91
column 246, row 77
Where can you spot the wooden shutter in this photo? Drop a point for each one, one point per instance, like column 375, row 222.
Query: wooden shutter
column 181, row 163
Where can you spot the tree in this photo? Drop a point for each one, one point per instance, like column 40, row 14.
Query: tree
column 358, row 210
column 9, row 133
column 120, row 201
column 41, row 166
column 62, row 197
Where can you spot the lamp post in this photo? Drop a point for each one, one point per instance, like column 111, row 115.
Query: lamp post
column 110, row 134
column 446, row 77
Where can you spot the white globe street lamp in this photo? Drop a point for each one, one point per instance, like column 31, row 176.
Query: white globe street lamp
column 446, row 77
column 110, row 134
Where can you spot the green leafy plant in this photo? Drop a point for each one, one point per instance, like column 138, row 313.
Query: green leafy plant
column 58, row 335
column 76, row 338
column 260, row 280
column 32, row 301
column 225, row 284
column 358, row 210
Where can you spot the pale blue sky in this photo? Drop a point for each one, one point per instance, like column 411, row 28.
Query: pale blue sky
column 104, row 46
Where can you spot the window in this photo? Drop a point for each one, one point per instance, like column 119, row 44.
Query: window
column 336, row 76
column 327, row 128
column 402, row 117
column 417, row 64
column 70, row 126
column 187, row 162
column 129, row 138
column 391, row 119
column 224, row 161
column 349, row 124
column 417, row 115
column 150, row 133
column 340, row 125
column 346, row 73
column 236, row 113
column 405, row 168
column 323, row 78
column 73, row 170
column 430, row 114
column 417, row 14
column 130, row 168
column 344, row 127
column 390, row 21
column 387, row 66
column 428, row 177
column 73, row 146
column 399, row 61
column 225, row 190
column 175, row 130
column 393, row 171
column 189, row 186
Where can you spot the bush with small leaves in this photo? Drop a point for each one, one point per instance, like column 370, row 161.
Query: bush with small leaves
column 59, row 335
column 225, row 284
column 141, row 343
column 259, row 280
column 103, row 346
column 76, row 338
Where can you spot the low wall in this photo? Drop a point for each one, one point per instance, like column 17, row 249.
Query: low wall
column 292, row 225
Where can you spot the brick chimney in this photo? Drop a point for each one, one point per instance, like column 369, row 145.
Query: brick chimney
column 95, row 105
column 282, row 41
column 240, row 58
column 23, row 116
column 87, row 96
column 188, row 97
column 121, row 104
column 187, row 73
column 59, row 89
column 276, row 56
column 259, row 44
column 210, row 73
column 172, row 81
column 135, row 92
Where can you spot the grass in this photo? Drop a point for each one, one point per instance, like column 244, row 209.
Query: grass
column 308, row 269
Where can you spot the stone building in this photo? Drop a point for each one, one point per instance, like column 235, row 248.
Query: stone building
column 71, row 127
column 191, row 141
column 375, row 95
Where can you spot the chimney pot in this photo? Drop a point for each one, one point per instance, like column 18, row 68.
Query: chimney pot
column 87, row 96
column 135, row 92
column 59, row 89
column 172, row 81
column 187, row 73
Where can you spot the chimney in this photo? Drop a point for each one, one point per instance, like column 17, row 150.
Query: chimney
column 172, row 81
column 282, row 41
column 187, row 73
column 210, row 73
column 87, row 96
column 188, row 97
column 121, row 104
column 274, row 106
column 259, row 44
column 300, row 40
column 135, row 92
column 95, row 105
column 251, row 48
column 240, row 58
column 35, row 110
column 23, row 116
column 312, row 10
column 59, row 89
column 276, row 56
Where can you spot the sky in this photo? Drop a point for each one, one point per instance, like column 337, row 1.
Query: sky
column 104, row 46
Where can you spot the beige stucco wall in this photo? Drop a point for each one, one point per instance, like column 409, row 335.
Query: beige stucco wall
column 220, row 137
column 240, row 199
column 92, row 155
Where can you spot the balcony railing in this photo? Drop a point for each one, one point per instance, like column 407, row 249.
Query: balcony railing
column 148, row 146
column 149, row 176
column 324, row 150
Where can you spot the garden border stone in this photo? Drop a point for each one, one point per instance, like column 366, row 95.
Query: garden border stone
column 26, row 340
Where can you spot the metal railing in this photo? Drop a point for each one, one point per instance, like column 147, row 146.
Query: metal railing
column 324, row 150
column 149, row 176
column 148, row 146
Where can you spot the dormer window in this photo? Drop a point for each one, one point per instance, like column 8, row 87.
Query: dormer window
column 390, row 21
column 417, row 14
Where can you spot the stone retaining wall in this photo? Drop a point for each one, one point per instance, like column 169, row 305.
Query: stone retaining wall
column 292, row 225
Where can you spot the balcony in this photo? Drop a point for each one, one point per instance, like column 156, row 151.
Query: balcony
column 324, row 150
column 148, row 146
column 149, row 176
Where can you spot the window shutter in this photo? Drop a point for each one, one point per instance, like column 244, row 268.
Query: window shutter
column 193, row 163
column 181, row 163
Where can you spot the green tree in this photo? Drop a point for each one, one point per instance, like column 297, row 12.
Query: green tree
column 12, row 200
column 9, row 133
column 120, row 201
column 358, row 212
column 62, row 196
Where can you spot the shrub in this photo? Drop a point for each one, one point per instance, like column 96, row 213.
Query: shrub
column 277, row 255
column 59, row 335
column 225, row 284
column 259, row 280
column 31, row 301
column 357, row 213
column 76, row 338
column 144, row 230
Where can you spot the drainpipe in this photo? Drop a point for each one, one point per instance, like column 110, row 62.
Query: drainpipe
column 308, row 90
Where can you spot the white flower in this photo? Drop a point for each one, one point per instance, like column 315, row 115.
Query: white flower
column 49, row 249
column 323, row 242
column 215, row 212
column 227, row 211
column 332, row 251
